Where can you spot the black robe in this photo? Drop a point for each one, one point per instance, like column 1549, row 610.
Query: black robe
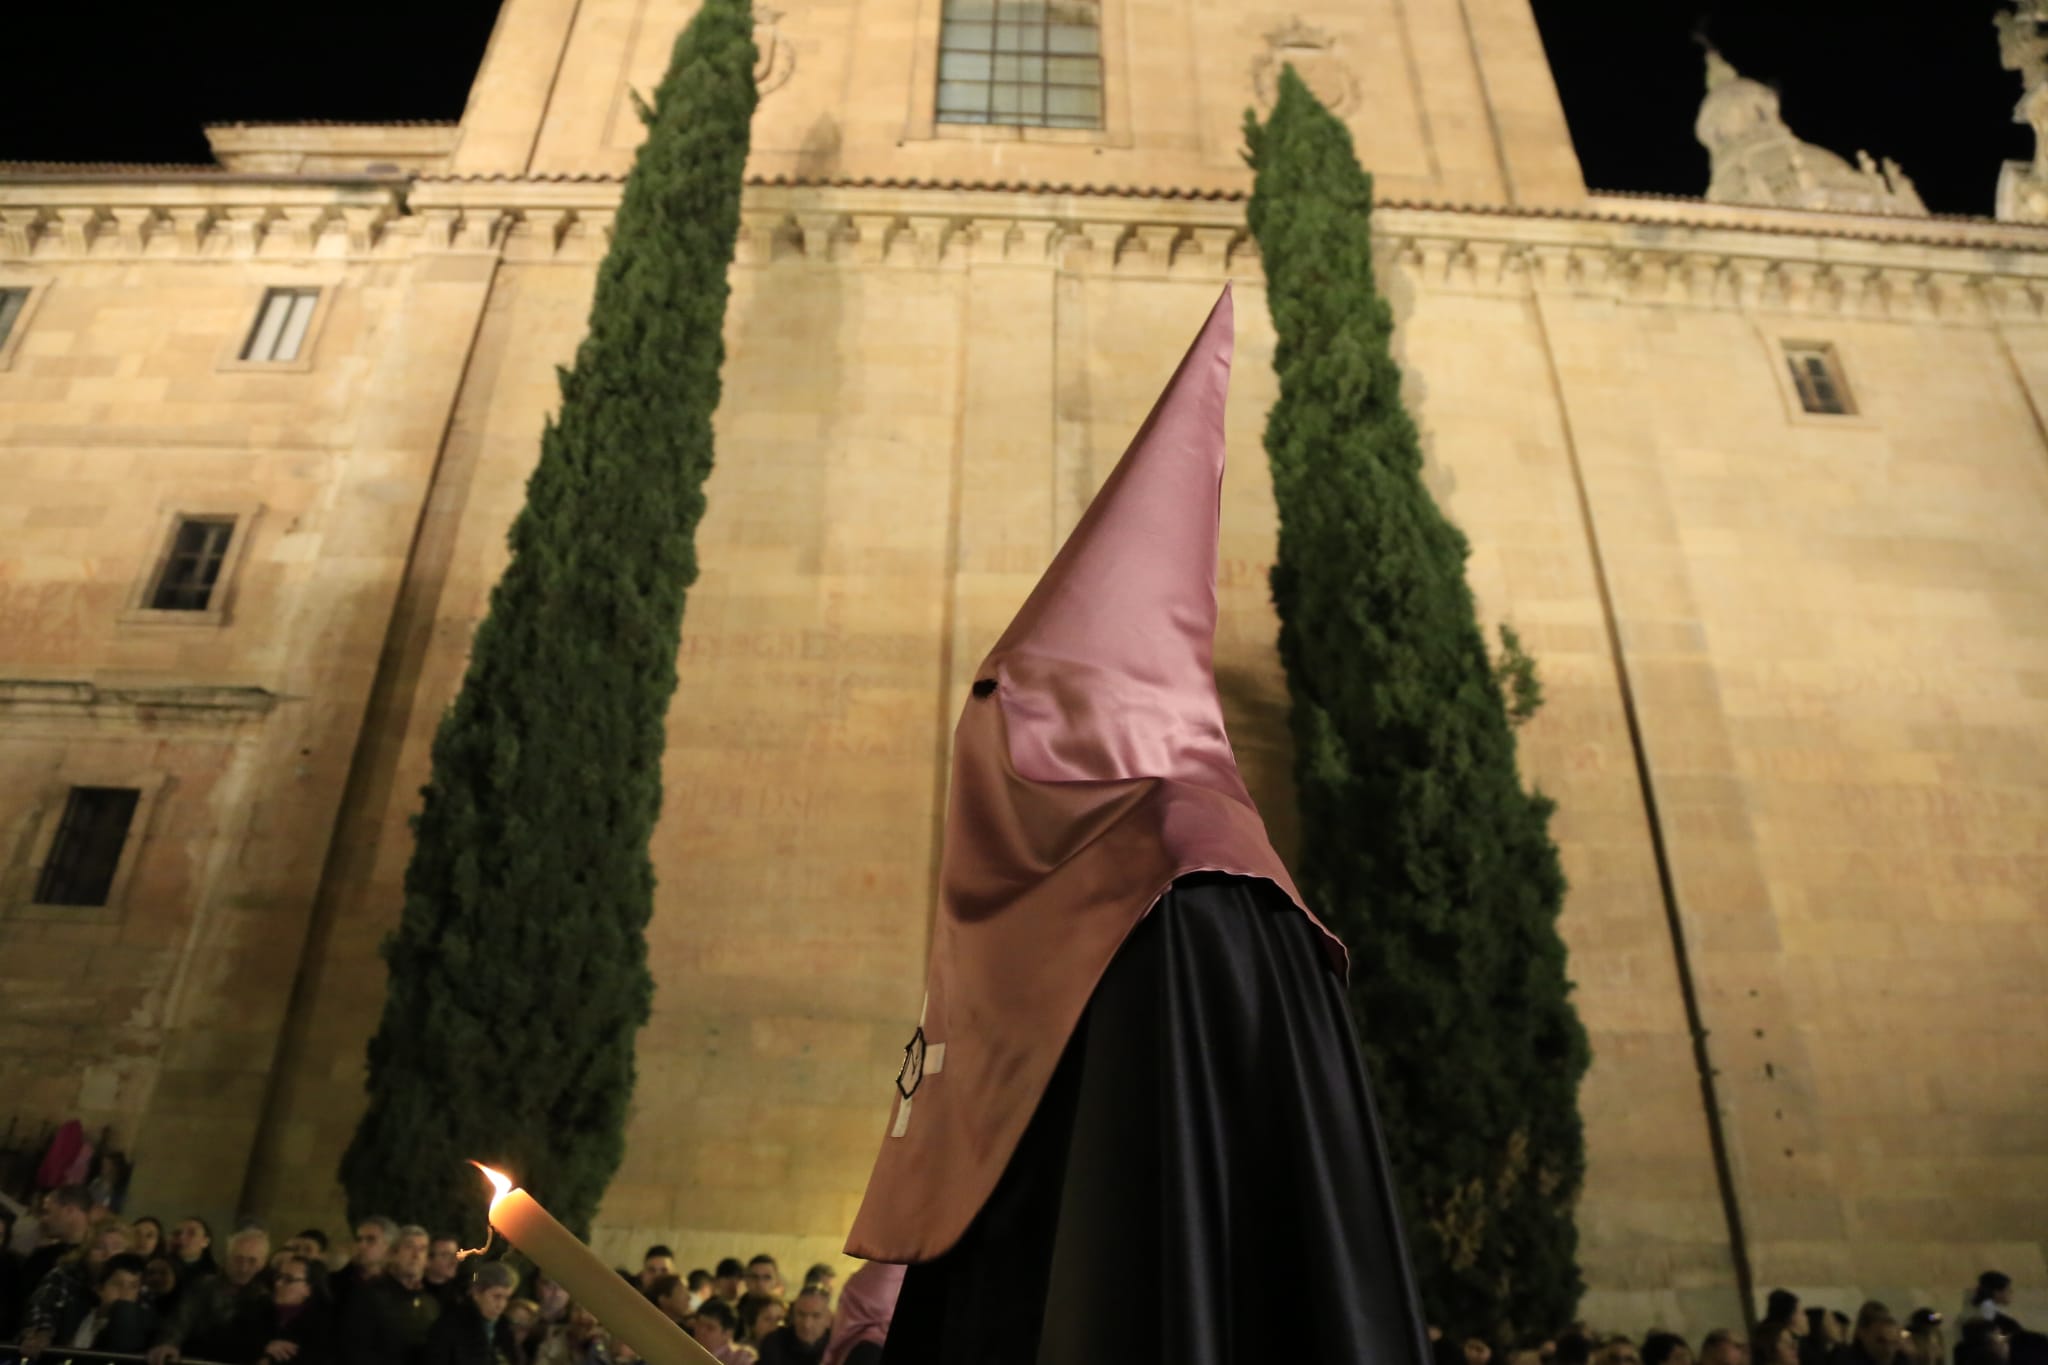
column 1202, row 1183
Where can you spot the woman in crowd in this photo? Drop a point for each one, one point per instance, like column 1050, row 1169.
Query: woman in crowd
column 1774, row 1344
column 146, row 1237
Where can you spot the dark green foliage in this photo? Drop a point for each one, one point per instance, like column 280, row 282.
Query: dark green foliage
column 1418, row 840
column 519, row 969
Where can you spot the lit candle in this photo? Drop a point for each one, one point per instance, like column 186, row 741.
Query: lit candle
column 611, row 1299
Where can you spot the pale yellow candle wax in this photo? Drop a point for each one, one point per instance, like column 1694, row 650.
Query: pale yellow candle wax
column 611, row 1299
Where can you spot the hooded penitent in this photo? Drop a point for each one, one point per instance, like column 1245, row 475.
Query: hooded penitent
column 1090, row 770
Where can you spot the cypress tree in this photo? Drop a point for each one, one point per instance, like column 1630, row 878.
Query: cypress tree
column 518, row 972
column 1418, row 839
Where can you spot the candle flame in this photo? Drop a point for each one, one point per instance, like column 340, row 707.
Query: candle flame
column 500, row 1182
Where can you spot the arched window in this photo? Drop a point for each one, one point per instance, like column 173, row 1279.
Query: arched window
column 1035, row 63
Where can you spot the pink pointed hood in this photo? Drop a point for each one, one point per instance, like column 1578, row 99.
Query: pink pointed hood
column 1091, row 769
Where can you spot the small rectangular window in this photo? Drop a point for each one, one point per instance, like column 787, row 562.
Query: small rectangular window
column 12, row 300
column 199, row 546
column 1817, row 374
column 281, row 323
column 87, row 848
column 1034, row 63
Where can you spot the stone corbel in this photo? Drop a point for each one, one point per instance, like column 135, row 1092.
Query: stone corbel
column 77, row 228
column 133, row 227
column 300, row 229
column 1829, row 290
column 363, row 223
column 1154, row 244
column 246, row 227
column 1204, row 251
column 2012, row 300
column 758, row 234
column 818, row 235
column 19, row 229
column 931, row 234
column 538, row 233
column 1954, row 295
column 987, row 240
column 188, row 228
column 1461, row 266
column 1031, row 240
column 479, row 229
column 1744, row 280
column 872, row 234
column 1104, row 241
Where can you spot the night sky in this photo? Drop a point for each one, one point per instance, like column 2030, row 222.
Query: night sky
column 1917, row 80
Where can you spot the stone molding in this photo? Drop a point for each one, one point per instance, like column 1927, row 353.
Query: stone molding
column 34, row 696
column 1649, row 255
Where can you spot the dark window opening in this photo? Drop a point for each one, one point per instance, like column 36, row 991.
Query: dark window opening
column 87, row 849
column 1817, row 374
column 12, row 301
column 192, row 570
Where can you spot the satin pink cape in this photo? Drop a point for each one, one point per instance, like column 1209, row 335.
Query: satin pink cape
column 1091, row 774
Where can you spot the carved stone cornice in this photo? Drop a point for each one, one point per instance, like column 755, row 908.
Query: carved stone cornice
column 1663, row 253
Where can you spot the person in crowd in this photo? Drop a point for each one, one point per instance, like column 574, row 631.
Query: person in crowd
column 310, row 1244
column 717, row 1330
column 552, row 1298
column 700, row 1287
column 160, row 1285
column 764, row 1276
column 146, row 1236
column 65, row 1223
column 1666, row 1348
column 117, row 1320
column 1723, row 1347
column 860, row 1328
column 824, row 1276
column 1781, row 1309
column 210, row 1307
column 1826, row 1334
column 1981, row 1343
column 672, row 1296
column 192, row 1245
column 1477, row 1350
column 803, row 1336
column 402, row 1296
column 1876, row 1338
column 1773, row 1344
column 764, row 1315
column 1990, row 1299
column 66, row 1294
column 727, row 1282
column 374, row 1238
column 658, row 1263
column 1617, row 1350
column 475, row 1331
column 295, row 1324
column 10, row 1270
column 1574, row 1347
column 577, row 1340
column 444, row 1268
column 1924, row 1343
column 524, row 1317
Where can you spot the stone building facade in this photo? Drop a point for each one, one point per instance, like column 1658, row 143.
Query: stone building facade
column 1763, row 486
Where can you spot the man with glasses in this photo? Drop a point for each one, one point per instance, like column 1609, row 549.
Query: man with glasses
column 295, row 1325
column 209, row 1310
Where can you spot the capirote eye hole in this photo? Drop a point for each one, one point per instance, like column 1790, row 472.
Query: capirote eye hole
column 985, row 687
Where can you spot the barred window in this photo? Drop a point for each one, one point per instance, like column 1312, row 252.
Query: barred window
column 191, row 570
column 1817, row 374
column 87, row 849
column 1034, row 63
column 281, row 324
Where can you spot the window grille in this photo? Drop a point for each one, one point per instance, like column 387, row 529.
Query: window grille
column 191, row 571
column 281, row 324
column 87, row 849
column 1036, row 64
column 1817, row 374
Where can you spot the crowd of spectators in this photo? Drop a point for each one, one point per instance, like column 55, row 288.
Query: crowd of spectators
column 1789, row 1334
column 84, row 1279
